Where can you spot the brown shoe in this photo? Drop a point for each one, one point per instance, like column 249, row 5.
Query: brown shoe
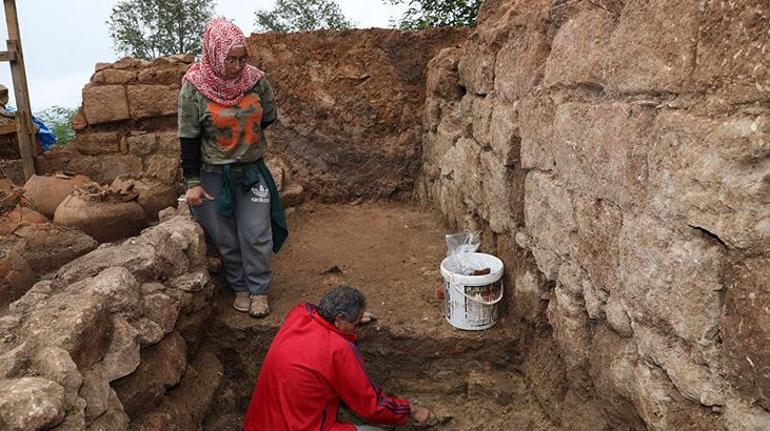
column 242, row 301
column 259, row 306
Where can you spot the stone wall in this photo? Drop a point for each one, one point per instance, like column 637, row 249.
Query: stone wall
column 348, row 106
column 617, row 156
column 127, row 123
column 112, row 337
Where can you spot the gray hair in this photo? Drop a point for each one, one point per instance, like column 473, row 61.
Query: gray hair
column 343, row 300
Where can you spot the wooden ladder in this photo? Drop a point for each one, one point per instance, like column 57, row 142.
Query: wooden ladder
column 25, row 129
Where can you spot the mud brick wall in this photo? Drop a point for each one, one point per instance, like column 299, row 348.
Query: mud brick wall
column 616, row 154
column 349, row 111
column 127, row 123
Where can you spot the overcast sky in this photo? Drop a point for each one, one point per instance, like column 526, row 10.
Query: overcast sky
column 64, row 39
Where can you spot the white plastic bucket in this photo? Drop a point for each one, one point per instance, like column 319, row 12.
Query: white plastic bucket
column 471, row 302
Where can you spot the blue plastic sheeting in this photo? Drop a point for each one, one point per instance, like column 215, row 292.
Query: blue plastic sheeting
column 45, row 135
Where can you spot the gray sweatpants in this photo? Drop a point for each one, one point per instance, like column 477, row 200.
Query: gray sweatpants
column 245, row 240
column 368, row 428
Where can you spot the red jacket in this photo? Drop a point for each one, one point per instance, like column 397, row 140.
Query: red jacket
column 310, row 368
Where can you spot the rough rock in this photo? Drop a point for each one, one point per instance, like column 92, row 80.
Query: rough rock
column 673, row 278
column 147, row 101
column 162, row 310
column 30, row 403
column 745, row 326
column 94, row 144
column 114, row 76
column 611, row 161
column 104, row 169
column 184, row 407
column 96, row 392
column 122, row 356
column 105, row 104
column 713, row 174
column 164, row 168
column 579, row 49
column 652, row 48
column 114, row 418
column 163, row 251
column 74, row 322
column 56, row 364
column 531, row 295
column 161, row 368
column 47, row 246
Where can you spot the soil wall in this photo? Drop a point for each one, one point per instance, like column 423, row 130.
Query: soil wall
column 616, row 155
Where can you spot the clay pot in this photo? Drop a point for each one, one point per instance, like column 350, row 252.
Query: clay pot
column 19, row 215
column 16, row 277
column 46, row 193
column 105, row 221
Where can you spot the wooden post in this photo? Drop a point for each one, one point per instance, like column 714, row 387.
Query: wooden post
column 26, row 129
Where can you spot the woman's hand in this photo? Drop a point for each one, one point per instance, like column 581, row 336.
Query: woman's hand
column 197, row 195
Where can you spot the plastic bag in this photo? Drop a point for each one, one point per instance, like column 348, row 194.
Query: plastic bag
column 463, row 242
column 462, row 245
column 45, row 136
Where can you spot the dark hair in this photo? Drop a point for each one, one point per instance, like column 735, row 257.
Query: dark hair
column 343, row 300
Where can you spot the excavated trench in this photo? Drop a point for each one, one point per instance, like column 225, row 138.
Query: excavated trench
column 469, row 380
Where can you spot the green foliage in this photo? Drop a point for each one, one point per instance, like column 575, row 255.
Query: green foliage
column 154, row 28
column 302, row 15
column 59, row 120
column 437, row 13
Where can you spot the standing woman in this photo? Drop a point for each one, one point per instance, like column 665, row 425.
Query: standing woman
column 225, row 105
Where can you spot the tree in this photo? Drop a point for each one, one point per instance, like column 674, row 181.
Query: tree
column 59, row 120
column 301, row 15
column 437, row 13
column 153, row 28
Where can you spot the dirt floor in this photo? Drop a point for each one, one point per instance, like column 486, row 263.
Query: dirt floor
column 391, row 252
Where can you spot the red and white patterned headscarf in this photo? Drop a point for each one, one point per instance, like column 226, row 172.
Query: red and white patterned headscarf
column 207, row 75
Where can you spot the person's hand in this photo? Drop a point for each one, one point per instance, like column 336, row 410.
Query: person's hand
column 195, row 196
column 420, row 415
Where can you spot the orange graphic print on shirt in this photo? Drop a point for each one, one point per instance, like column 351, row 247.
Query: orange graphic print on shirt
column 239, row 124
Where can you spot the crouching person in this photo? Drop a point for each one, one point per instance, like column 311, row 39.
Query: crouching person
column 313, row 365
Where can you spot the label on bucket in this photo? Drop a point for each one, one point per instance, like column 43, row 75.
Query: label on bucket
column 474, row 311
column 480, row 314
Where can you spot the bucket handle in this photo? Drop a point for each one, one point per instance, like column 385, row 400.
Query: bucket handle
column 479, row 301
